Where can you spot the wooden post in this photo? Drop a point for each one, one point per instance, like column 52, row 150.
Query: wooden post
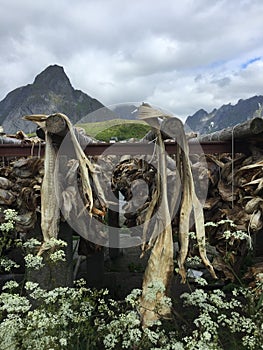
column 56, row 125
column 60, row 274
column 95, row 269
column 113, row 221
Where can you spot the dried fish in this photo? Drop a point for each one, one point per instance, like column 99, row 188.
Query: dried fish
column 27, row 167
column 5, row 184
column 6, row 197
column 25, row 221
column 160, row 263
column 50, row 207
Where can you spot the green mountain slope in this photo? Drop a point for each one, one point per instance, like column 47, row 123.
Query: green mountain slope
column 121, row 128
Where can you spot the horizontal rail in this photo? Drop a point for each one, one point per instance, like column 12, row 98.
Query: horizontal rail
column 95, row 149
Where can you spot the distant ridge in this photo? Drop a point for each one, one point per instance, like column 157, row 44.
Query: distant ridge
column 226, row 116
column 50, row 92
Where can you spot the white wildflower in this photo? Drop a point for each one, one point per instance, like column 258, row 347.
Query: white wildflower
column 55, row 243
column 32, row 243
column 10, row 214
column 133, row 297
column 193, row 261
column 153, row 289
column 192, row 235
column 13, row 303
column 201, row 281
column 31, row 285
column 34, row 261
column 110, row 341
column 7, row 264
column 63, row 341
column 57, row 256
column 211, row 224
column 10, row 285
column 7, row 226
column 151, row 335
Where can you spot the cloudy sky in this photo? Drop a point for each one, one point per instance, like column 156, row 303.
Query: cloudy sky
column 181, row 55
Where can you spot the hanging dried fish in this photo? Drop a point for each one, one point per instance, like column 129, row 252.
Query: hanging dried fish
column 160, row 266
column 189, row 201
column 50, row 207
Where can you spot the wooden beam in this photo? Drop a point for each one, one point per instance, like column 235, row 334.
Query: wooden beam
column 96, row 149
column 246, row 130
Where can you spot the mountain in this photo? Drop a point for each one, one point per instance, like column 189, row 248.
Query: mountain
column 50, row 92
column 227, row 115
column 126, row 111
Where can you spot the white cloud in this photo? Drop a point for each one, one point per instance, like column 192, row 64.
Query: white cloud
column 181, row 55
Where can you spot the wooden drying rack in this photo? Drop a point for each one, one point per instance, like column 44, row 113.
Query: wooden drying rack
column 96, row 149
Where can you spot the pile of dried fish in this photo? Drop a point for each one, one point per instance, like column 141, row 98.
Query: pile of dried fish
column 235, row 189
column 133, row 176
column 20, row 183
column 19, row 138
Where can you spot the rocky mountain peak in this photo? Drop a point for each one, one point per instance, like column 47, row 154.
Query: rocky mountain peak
column 225, row 116
column 53, row 78
column 50, row 92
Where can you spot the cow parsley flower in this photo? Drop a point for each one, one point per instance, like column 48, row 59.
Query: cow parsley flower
column 10, row 214
column 57, row 256
column 32, row 243
column 7, row 264
column 34, row 261
column 55, row 243
column 10, row 285
column 133, row 297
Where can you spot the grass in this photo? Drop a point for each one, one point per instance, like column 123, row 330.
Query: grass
column 121, row 128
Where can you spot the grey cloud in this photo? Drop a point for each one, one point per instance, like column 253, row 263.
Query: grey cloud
column 183, row 55
column 221, row 82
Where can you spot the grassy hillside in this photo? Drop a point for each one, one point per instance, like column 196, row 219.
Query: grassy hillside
column 121, row 128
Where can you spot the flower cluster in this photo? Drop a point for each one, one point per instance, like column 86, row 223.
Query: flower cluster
column 7, row 264
column 80, row 318
column 219, row 314
column 32, row 243
column 51, row 246
column 34, row 261
column 55, row 243
column 77, row 318
column 57, row 256
column 7, row 230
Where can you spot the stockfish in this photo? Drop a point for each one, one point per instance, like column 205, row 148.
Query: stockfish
column 160, row 265
column 50, row 206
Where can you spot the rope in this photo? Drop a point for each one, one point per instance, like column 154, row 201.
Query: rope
column 3, row 158
column 232, row 165
column 32, row 150
column 154, row 150
column 39, row 150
